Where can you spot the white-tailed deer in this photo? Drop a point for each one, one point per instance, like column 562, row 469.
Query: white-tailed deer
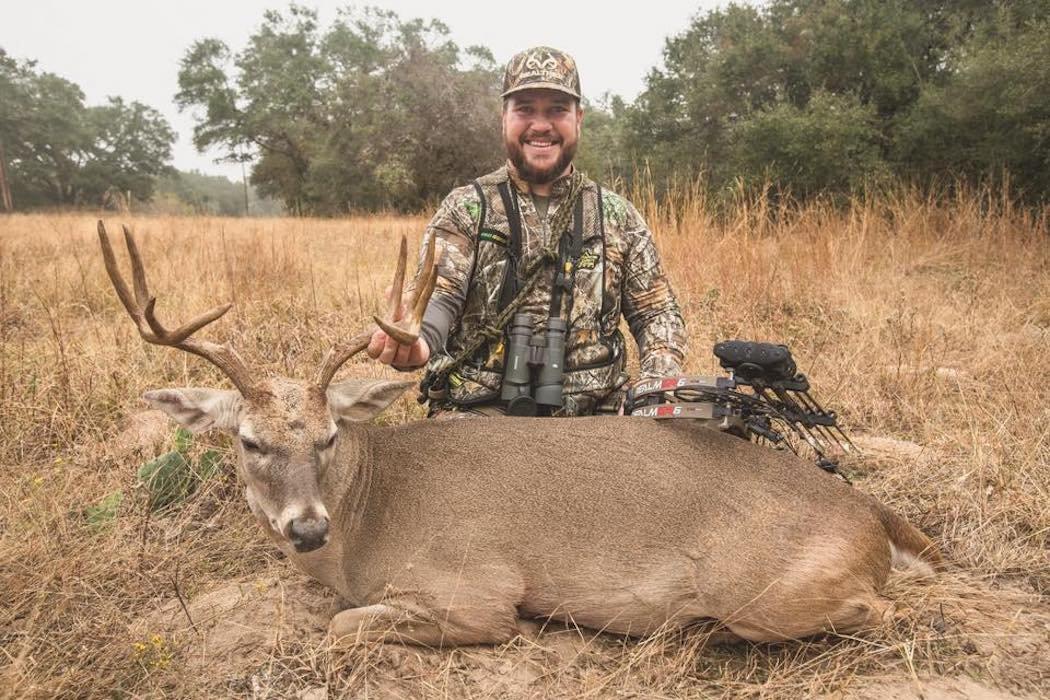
column 446, row 532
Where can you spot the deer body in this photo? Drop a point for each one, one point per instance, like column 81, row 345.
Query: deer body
column 621, row 524
column 447, row 532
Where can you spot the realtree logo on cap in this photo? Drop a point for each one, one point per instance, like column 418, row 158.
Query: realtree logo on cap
column 542, row 67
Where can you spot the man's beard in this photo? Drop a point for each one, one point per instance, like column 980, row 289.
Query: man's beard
column 536, row 176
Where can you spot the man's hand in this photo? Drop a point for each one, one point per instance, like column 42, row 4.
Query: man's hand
column 390, row 352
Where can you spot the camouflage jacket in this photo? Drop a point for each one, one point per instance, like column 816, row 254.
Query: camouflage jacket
column 617, row 273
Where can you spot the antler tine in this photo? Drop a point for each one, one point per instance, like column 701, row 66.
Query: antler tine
column 138, row 272
column 141, row 308
column 339, row 354
column 123, row 293
column 187, row 329
column 425, row 287
column 394, row 305
column 405, row 331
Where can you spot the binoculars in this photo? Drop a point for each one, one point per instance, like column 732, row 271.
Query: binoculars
column 541, row 354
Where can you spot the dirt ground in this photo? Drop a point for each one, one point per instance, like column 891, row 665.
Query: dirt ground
column 237, row 638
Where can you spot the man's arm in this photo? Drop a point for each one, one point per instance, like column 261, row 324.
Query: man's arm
column 649, row 304
column 454, row 226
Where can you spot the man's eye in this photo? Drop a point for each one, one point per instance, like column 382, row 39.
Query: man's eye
column 250, row 445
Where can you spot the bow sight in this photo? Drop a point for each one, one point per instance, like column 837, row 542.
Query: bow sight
column 777, row 405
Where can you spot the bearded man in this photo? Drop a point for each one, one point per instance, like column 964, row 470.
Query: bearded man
column 539, row 243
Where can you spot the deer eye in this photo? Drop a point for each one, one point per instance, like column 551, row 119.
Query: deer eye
column 331, row 441
column 250, row 445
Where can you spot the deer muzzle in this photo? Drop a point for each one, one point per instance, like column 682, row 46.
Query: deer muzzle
column 308, row 533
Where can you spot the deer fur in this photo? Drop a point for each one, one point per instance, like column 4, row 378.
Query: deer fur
column 446, row 532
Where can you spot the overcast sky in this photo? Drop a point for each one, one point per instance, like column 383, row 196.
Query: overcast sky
column 132, row 48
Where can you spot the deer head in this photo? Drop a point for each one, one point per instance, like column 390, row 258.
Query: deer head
column 287, row 431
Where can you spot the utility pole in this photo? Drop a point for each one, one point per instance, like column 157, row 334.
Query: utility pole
column 5, row 185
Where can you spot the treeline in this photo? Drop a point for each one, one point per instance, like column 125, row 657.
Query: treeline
column 837, row 95
column 804, row 96
column 57, row 151
column 373, row 112
column 193, row 192
column 370, row 113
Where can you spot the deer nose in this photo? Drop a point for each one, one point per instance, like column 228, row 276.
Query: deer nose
column 308, row 534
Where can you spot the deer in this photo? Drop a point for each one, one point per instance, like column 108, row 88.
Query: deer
column 444, row 533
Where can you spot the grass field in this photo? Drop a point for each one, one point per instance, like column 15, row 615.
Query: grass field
column 926, row 325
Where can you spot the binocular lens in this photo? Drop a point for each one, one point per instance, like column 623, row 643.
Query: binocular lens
column 551, row 371
column 544, row 352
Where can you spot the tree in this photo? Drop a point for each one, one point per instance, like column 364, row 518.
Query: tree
column 130, row 148
column 43, row 131
column 748, row 90
column 833, row 144
column 373, row 113
column 992, row 116
column 181, row 192
column 61, row 152
column 602, row 153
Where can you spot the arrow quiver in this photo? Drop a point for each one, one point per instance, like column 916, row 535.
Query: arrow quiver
column 765, row 399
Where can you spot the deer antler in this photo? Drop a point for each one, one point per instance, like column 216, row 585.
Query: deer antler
column 405, row 330
column 140, row 307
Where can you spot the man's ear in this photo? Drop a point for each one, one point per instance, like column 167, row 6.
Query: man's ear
column 363, row 399
column 199, row 410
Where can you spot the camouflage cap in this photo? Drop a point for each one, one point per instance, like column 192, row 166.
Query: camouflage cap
column 542, row 67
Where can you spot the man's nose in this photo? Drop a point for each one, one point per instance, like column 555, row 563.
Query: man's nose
column 540, row 123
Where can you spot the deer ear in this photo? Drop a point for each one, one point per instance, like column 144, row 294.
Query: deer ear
column 199, row 410
column 358, row 400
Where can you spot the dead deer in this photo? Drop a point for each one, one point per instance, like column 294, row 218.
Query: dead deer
column 448, row 532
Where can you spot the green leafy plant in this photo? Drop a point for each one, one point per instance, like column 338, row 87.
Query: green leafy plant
column 175, row 475
column 105, row 510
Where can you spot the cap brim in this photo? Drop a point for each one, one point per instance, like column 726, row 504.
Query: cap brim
column 542, row 85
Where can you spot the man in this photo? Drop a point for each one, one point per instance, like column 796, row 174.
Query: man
column 499, row 254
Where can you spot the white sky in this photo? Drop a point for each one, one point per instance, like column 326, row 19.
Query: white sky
column 132, row 48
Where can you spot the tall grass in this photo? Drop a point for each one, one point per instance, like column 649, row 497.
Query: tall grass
column 919, row 320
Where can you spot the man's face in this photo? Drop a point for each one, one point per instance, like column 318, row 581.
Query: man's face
column 541, row 129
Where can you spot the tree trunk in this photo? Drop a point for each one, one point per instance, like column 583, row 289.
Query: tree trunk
column 5, row 186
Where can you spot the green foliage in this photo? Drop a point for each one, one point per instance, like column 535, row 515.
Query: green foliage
column 826, row 95
column 992, row 117
column 602, row 153
column 175, row 475
column 105, row 511
column 806, row 96
column 830, row 145
column 373, row 112
column 61, row 152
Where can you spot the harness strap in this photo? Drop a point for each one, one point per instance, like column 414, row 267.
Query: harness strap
column 510, row 275
column 569, row 246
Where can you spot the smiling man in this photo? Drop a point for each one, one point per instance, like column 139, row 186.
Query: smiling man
column 539, row 243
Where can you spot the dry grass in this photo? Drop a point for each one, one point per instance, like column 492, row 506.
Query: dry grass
column 921, row 322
